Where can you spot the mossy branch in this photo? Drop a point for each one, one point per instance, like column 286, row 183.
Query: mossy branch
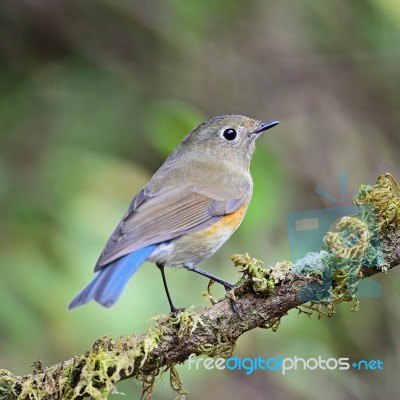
column 366, row 244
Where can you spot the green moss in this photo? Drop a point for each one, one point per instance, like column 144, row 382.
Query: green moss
column 95, row 373
column 6, row 385
column 186, row 322
column 151, row 342
column 263, row 279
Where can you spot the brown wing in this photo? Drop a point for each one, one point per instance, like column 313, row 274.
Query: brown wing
column 158, row 218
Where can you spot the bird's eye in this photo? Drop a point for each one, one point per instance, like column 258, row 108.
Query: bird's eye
column 230, row 134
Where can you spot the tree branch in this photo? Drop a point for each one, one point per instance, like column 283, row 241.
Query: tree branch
column 262, row 297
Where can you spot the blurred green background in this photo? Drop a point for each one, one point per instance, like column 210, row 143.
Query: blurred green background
column 93, row 97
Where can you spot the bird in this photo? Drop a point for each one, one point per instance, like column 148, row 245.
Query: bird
column 189, row 208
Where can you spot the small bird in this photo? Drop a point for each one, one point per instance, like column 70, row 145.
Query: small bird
column 186, row 212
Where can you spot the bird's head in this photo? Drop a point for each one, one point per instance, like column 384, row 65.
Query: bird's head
column 229, row 137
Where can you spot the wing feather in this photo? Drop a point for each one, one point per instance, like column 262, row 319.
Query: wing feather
column 161, row 217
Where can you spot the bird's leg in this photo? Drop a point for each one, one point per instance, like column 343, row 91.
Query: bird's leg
column 174, row 310
column 225, row 284
column 228, row 286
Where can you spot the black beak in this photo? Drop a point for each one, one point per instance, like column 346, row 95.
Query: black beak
column 264, row 125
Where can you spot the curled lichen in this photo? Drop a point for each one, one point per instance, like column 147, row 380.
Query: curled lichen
column 177, row 383
column 384, row 196
column 148, row 382
column 356, row 241
column 207, row 293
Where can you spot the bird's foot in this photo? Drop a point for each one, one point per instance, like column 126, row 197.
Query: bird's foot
column 230, row 294
column 176, row 311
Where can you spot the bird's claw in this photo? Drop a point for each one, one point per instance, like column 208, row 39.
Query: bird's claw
column 231, row 296
column 176, row 311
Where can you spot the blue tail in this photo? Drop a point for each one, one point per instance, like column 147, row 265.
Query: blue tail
column 107, row 285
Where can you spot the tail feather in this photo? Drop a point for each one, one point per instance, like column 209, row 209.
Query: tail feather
column 108, row 284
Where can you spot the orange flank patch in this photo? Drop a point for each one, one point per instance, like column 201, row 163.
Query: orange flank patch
column 230, row 221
